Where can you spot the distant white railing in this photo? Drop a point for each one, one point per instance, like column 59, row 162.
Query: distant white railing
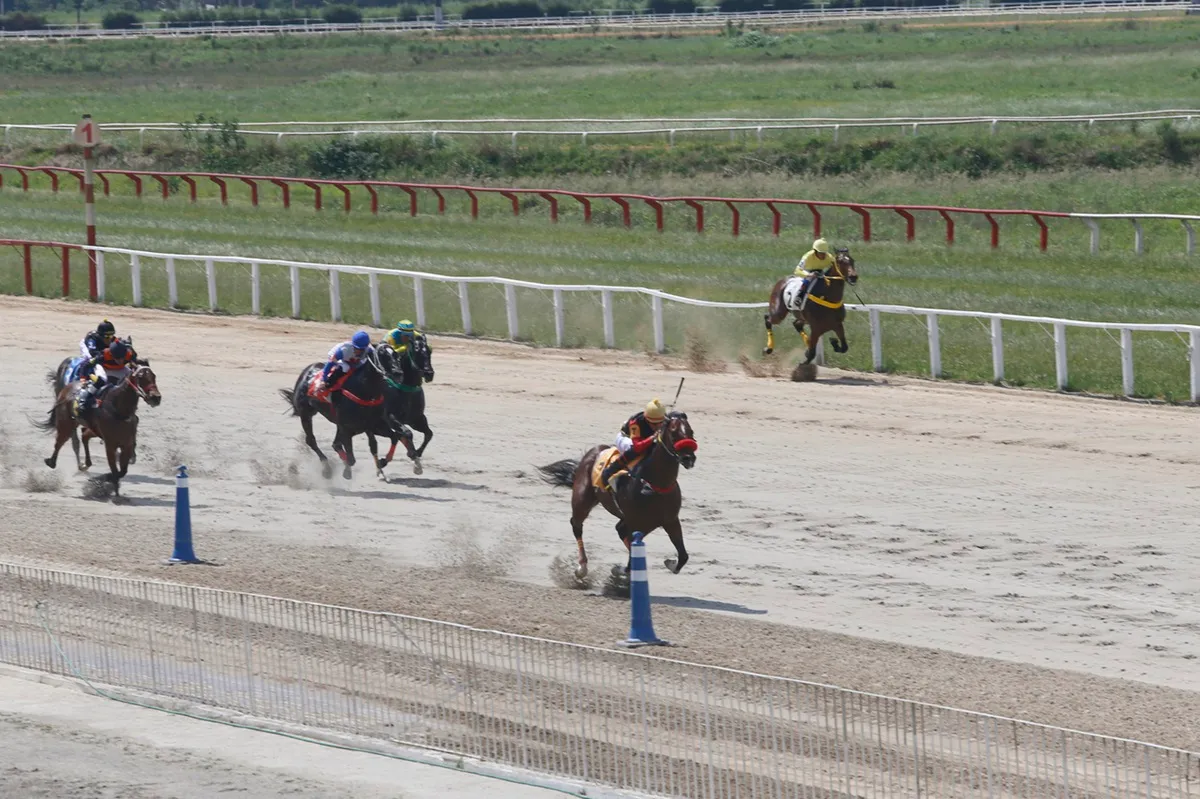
column 589, row 128
column 611, row 19
column 1190, row 334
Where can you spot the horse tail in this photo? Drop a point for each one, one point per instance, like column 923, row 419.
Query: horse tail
column 560, row 473
column 49, row 425
column 52, row 376
column 289, row 397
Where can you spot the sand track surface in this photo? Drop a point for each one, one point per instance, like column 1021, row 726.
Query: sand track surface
column 999, row 550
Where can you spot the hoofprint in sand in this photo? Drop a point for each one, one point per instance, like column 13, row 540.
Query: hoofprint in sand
column 1034, row 529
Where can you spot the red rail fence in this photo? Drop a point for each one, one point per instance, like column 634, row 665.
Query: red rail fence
column 698, row 205
column 27, row 248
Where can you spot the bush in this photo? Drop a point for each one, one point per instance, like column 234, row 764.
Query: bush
column 22, row 22
column 120, row 20
column 515, row 9
column 672, row 7
column 358, row 159
column 342, row 15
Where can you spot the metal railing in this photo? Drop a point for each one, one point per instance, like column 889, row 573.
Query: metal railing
column 609, row 20
column 205, row 273
column 515, row 198
column 620, row 719
column 586, row 129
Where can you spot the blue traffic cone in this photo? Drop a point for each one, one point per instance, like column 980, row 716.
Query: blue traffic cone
column 641, row 627
column 183, row 521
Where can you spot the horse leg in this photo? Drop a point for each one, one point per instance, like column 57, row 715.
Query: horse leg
column 114, row 471
column 810, row 340
column 776, row 314
column 64, row 429
column 840, row 344
column 87, row 450
column 627, row 540
column 582, row 501
column 311, row 440
column 421, row 425
column 347, row 452
column 675, row 532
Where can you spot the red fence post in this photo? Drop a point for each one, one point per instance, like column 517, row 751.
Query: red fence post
column 103, row 182
column 949, row 227
column 474, row 204
column 995, row 230
column 658, row 212
column 1043, row 234
column 191, row 186
column 737, row 218
column 285, row 190
column 587, row 207
column 24, row 179
column 82, row 183
column 316, row 187
column 699, row 214
column 550, row 198
column 345, row 190
column 777, row 222
column 28, row 268
column 866, row 220
column 816, row 214
column 224, row 190
column 910, row 224
column 253, row 184
column 516, row 204
column 66, row 271
column 53, row 177
column 412, row 200
column 621, row 201
column 374, row 197
column 441, row 201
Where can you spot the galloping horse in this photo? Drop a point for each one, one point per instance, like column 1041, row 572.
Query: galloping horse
column 355, row 407
column 674, row 445
column 114, row 421
column 823, row 311
column 404, row 399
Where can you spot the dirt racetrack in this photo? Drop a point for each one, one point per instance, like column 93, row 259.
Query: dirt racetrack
column 1006, row 551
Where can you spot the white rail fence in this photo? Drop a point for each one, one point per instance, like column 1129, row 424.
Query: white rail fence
column 585, row 129
column 135, row 261
column 614, row 19
column 616, row 718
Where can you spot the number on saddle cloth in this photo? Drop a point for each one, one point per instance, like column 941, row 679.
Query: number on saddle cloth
column 793, row 293
column 72, row 373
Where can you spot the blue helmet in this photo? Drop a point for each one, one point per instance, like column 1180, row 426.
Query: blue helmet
column 361, row 340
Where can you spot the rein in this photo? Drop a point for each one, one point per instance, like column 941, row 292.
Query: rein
column 821, row 300
column 672, row 450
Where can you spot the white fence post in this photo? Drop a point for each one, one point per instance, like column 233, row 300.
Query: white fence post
column 935, row 345
column 656, row 306
column 1094, row 227
column 464, row 304
column 135, row 276
column 876, row 340
column 510, row 307
column 100, row 276
column 1191, row 236
column 997, row 349
column 376, row 315
column 1194, row 360
column 335, row 295
column 1060, row 355
column 255, row 289
column 295, row 278
column 1127, row 361
column 558, row 318
column 606, row 306
column 419, row 299
column 1139, row 243
column 210, row 276
column 172, row 284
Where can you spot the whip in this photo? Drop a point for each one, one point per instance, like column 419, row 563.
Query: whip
column 677, row 392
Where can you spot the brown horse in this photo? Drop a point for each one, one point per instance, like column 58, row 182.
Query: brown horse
column 823, row 311
column 674, row 446
column 114, row 421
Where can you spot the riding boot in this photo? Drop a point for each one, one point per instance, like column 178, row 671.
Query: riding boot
column 607, row 477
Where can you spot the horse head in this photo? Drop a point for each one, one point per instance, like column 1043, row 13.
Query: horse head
column 144, row 382
column 422, row 355
column 843, row 265
column 677, row 438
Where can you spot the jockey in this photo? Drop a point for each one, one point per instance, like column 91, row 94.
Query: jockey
column 636, row 438
column 396, row 344
column 109, row 366
column 345, row 359
column 811, row 265
column 97, row 340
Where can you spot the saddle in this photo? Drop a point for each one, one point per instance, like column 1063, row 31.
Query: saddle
column 605, row 459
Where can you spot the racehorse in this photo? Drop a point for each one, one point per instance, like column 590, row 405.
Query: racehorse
column 114, row 421
column 404, row 399
column 356, row 406
column 823, row 310
column 674, row 446
column 68, row 371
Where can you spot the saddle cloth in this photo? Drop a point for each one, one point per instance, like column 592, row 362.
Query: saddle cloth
column 792, row 293
column 312, row 384
column 602, row 462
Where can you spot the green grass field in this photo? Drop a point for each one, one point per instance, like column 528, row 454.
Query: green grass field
column 1028, row 67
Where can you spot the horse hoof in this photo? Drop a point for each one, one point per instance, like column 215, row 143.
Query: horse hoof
column 620, row 572
column 581, row 572
column 346, row 473
column 326, row 470
column 381, row 464
column 768, row 350
column 417, row 467
column 804, row 373
column 671, row 564
column 51, row 462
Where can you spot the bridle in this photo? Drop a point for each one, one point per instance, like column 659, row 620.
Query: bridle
column 135, row 385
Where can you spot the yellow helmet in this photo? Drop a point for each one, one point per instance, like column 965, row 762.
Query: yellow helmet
column 821, row 246
column 655, row 412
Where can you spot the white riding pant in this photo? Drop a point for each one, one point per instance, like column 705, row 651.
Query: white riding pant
column 623, row 443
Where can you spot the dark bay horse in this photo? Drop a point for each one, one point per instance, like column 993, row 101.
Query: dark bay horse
column 674, row 446
column 404, row 397
column 823, row 311
column 114, row 420
column 356, row 407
